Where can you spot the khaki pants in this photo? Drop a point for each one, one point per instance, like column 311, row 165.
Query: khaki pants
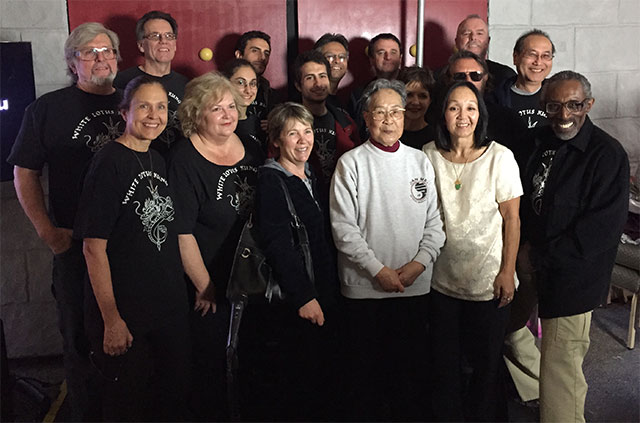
column 563, row 388
column 522, row 358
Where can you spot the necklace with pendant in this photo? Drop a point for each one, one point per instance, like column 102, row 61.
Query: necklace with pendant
column 458, row 184
column 150, row 174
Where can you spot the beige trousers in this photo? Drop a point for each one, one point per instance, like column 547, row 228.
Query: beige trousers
column 563, row 388
column 522, row 358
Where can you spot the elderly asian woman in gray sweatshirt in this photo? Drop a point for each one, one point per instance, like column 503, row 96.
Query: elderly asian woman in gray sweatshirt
column 388, row 232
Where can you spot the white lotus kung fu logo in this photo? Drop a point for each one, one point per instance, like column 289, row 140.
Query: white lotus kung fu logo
column 419, row 189
column 113, row 132
column 326, row 156
column 155, row 211
column 242, row 200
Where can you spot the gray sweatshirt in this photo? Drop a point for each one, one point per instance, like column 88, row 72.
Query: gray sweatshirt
column 384, row 212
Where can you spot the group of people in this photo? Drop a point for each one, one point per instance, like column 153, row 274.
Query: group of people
column 440, row 208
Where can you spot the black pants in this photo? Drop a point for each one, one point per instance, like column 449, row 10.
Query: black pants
column 68, row 288
column 208, row 398
column 386, row 355
column 471, row 333
column 151, row 380
column 289, row 368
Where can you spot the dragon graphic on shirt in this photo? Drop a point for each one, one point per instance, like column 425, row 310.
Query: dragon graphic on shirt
column 155, row 211
column 326, row 156
column 113, row 132
column 242, row 199
column 540, row 180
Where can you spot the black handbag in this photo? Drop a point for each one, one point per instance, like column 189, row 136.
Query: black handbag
column 251, row 275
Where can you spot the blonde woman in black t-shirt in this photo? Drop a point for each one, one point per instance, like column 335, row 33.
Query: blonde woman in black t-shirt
column 213, row 174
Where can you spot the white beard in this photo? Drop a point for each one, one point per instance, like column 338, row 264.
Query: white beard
column 101, row 82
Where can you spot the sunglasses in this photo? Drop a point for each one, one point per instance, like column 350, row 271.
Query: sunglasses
column 462, row 76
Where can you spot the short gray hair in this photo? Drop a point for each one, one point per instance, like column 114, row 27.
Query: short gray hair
column 383, row 84
column 82, row 35
column 566, row 75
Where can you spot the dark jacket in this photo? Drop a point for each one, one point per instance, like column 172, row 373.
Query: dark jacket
column 584, row 207
column 274, row 221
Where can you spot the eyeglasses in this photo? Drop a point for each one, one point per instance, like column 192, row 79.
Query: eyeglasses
column 241, row 82
column 462, row 76
column 337, row 57
column 88, row 54
column 532, row 55
column 156, row 36
column 381, row 114
column 572, row 106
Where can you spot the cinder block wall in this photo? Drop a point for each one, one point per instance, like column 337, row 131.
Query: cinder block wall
column 598, row 38
column 595, row 37
column 27, row 307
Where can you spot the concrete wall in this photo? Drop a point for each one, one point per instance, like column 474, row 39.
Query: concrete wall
column 595, row 37
column 598, row 38
column 27, row 306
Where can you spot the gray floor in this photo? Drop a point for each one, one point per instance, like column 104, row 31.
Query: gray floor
column 612, row 371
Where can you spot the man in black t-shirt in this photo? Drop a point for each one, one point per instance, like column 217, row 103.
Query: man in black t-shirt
column 334, row 131
column 255, row 47
column 63, row 129
column 157, row 35
column 533, row 57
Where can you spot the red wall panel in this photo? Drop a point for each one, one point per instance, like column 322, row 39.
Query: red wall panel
column 360, row 20
column 216, row 24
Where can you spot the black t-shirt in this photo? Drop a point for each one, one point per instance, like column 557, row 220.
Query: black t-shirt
column 506, row 127
column 499, row 72
column 175, row 84
column 528, row 107
column 324, row 133
column 538, row 213
column 264, row 101
column 64, row 129
column 126, row 200
column 417, row 139
column 249, row 128
column 213, row 202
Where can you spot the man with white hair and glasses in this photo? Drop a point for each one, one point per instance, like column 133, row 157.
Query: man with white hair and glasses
column 63, row 129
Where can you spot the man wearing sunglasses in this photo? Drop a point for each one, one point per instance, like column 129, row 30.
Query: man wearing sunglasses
column 63, row 129
column 576, row 190
column 504, row 124
column 157, row 35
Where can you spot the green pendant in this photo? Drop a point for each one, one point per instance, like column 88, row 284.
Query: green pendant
column 458, row 184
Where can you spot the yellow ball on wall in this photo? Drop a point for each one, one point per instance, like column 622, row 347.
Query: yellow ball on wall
column 206, row 54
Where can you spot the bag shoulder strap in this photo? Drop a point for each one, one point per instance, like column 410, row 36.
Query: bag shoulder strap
column 292, row 209
column 303, row 238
